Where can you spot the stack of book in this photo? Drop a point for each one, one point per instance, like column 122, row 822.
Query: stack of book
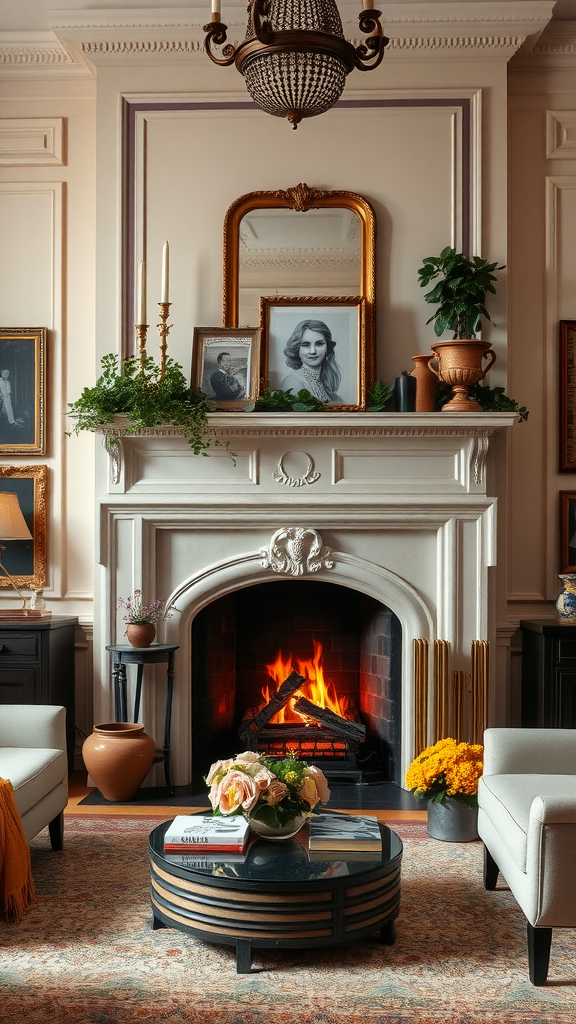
column 197, row 840
column 356, row 836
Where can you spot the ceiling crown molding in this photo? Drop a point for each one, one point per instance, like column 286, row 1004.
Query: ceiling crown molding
column 453, row 29
column 555, row 48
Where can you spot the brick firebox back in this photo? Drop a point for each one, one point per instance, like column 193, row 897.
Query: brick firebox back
column 236, row 636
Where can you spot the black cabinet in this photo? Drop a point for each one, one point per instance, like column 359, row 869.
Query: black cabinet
column 549, row 674
column 37, row 666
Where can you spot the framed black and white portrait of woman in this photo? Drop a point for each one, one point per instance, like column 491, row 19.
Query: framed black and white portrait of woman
column 226, row 365
column 22, row 384
column 315, row 345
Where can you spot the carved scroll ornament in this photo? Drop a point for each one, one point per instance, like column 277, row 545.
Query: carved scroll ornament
column 295, row 551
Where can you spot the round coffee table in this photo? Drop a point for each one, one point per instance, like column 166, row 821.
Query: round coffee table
column 279, row 896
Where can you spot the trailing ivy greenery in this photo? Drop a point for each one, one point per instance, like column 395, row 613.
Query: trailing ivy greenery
column 285, row 401
column 140, row 392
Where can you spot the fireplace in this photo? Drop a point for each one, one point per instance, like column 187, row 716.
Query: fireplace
column 336, row 654
column 392, row 517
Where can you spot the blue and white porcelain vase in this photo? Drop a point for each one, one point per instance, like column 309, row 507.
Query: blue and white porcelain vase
column 566, row 600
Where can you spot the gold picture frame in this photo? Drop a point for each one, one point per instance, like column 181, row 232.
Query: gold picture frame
column 340, row 380
column 230, row 383
column 26, row 560
column 22, row 390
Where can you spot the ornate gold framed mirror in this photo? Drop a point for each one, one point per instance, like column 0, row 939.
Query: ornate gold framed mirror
column 304, row 242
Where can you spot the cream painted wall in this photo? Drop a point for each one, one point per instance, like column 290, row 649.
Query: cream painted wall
column 399, row 160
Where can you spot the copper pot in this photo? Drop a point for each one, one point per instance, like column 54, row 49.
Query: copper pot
column 459, row 364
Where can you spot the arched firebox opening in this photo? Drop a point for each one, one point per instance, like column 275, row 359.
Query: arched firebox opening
column 344, row 644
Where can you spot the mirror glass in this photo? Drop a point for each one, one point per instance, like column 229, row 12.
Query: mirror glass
column 290, row 252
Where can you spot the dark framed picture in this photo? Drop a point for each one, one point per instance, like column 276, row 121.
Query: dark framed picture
column 25, row 560
column 317, row 345
column 22, row 386
column 567, row 396
column 226, row 365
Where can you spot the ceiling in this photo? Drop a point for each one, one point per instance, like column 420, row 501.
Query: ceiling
column 29, row 15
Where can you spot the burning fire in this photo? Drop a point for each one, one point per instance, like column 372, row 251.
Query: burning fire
column 315, row 689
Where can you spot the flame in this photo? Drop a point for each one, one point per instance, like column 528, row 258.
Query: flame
column 315, row 689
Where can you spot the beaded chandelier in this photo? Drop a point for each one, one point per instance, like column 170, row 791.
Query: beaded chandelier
column 294, row 58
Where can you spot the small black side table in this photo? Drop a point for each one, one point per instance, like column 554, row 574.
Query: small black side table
column 125, row 654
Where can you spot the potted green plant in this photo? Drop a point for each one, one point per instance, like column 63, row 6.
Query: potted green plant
column 145, row 396
column 459, row 292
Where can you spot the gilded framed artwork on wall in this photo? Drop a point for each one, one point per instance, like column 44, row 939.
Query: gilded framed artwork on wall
column 26, row 560
column 226, row 365
column 22, row 388
column 317, row 345
column 567, row 531
column 567, row 395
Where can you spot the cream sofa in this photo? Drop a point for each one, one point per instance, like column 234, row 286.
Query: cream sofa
column 33, row 757
column 527, row 822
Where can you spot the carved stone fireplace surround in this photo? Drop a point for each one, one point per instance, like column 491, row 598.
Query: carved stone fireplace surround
column 392, row 505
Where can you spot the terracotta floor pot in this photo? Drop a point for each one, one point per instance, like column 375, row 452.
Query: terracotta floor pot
column 140, row 634
column 118, row 756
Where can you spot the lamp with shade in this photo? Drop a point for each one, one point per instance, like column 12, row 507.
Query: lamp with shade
column 13, row 527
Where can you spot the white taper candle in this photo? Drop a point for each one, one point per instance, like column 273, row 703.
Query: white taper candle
column 165, row 273
column 216, row 8
column 141, row 293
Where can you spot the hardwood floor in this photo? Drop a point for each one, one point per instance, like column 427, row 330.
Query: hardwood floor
column 78, row 789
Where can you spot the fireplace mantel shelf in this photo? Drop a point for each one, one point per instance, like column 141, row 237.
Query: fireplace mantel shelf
column 399, row 424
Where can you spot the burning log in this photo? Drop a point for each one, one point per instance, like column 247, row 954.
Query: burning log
column 249, row 729
column 327, row 718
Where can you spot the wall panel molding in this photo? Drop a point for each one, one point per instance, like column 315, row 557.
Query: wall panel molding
column 31, row 141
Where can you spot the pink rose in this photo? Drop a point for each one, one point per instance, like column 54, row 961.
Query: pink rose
column 276, row 792
column 214, row 795
column 215, row 768
column 237, row 790
column 320, row 781
column 263, row 778
column 308, row 791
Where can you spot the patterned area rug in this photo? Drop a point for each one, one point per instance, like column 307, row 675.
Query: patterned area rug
column 86, row 952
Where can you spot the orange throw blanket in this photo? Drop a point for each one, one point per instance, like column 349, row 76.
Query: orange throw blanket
column 17, row 892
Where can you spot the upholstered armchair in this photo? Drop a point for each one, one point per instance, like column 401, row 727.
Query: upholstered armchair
column 33, row 757
column 527, row 822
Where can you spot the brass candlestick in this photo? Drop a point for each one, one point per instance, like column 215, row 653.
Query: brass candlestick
column 164, row 329
column 141, row 332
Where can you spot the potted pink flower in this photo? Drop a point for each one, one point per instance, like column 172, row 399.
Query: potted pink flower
column 141, row 619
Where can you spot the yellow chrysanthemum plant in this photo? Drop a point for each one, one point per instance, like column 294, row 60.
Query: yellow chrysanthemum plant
column 448, row 769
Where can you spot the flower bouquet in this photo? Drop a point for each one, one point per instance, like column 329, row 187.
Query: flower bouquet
column 448, row 769
column 274, row 794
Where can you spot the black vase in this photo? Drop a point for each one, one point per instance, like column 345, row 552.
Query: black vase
column 405, row 393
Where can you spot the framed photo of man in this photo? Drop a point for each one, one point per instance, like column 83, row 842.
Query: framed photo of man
column 22, row 386
column 226, row 365
column 316, row 345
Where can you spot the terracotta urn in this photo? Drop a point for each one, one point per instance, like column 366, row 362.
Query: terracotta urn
column 118, row 756
column 426, row 383
column 460, row 366
column 140, row 634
